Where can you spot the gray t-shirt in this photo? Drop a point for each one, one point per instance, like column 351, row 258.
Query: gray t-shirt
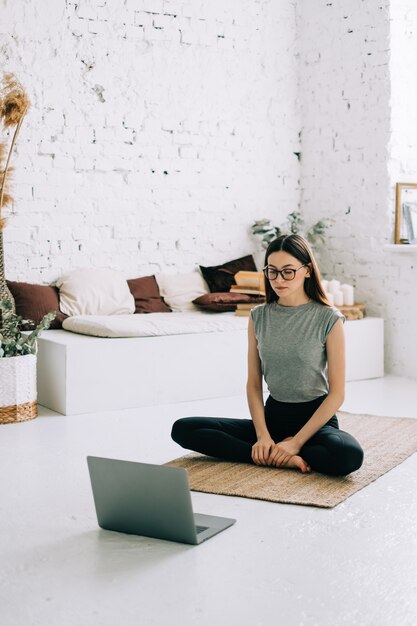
column 292, row 348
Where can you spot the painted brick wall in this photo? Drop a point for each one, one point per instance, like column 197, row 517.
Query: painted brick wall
column 401, row 295
column 159, row 131
column 356, row 64
column 345, row 87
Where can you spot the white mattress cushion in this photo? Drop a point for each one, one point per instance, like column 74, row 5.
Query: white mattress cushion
column 179, row 290
column 95, row 291
column 153, row 324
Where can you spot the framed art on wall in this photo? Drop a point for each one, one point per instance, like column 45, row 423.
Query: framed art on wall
column 405, row 213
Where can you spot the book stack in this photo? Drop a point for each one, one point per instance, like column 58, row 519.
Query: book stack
column 252, row 285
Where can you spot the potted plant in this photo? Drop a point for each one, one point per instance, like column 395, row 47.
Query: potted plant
column 17, row 349
column 266, row 232
column 18, row 364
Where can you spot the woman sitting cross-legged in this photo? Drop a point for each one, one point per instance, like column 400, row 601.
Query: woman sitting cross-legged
column 296, row 342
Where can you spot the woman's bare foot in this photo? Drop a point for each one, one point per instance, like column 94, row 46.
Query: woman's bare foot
column 296, row 462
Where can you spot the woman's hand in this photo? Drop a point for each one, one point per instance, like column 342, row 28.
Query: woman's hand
column 282, row 452
column 261, row 450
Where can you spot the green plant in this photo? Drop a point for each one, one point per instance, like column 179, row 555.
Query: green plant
column 267, row 232
column 12, row 341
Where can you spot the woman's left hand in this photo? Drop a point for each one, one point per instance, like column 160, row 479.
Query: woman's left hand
column 282, row 451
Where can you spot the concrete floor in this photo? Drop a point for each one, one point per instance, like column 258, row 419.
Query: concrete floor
column 355, row 564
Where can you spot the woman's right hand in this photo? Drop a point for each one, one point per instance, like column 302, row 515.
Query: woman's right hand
column 261, row 450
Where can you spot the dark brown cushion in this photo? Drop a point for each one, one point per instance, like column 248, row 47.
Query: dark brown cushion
column 221, row 277
column 225, row 301
column 34, row 301
column 145, row 290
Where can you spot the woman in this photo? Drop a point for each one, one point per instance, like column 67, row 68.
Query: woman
column 296, row 342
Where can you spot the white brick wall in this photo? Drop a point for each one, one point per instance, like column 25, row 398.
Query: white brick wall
column 358, row 94
column 400, row 294
column 344, row 82
column 158, row 131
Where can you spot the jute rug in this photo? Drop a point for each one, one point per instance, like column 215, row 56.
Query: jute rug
column 386, row 442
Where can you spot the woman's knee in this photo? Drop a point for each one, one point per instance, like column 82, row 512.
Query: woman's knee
column 183, row 428
column 348, row 456
column 356, row 456
column 179, row 430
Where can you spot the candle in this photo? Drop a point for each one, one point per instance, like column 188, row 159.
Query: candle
column 348, row 294
column 330, row 298
column 338, row 297
column 334, row 285
column 325, row 284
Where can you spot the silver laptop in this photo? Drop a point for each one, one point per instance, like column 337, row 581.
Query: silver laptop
column 150, row 500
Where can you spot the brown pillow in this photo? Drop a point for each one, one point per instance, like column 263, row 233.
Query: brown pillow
column 221, row 277
column 145, row 290
column 226, row 301
column 34, row 301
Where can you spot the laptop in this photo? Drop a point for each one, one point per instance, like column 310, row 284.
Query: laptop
column 150, row 500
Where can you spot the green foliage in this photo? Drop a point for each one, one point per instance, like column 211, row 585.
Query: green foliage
column 315, row 235
column 295, row 222
column 12, row 341
column 266, row 231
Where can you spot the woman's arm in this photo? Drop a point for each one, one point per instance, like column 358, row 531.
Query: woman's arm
column 335, row 347
column 261, row 449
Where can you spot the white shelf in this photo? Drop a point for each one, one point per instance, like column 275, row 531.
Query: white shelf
column 401, row 248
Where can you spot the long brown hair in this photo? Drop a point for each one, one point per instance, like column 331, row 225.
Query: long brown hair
column 299, row 248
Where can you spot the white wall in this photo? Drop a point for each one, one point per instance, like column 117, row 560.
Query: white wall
column 344, row 87
column 358, row 94
column 159, row 131
column 401, row 305
column 215, row 94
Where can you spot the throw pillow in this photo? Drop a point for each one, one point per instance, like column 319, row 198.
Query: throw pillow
column 221, row 277
column 179, row 290
column 34, row 301
column 145, row 290
column 226, row 301
column 95, row 292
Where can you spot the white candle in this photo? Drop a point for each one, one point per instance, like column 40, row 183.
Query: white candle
column 348, row 294
column 325, row 284
column 338, row 297
column 330, row 298
column 334, row 285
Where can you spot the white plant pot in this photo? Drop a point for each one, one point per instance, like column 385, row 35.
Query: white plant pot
column 18, row 388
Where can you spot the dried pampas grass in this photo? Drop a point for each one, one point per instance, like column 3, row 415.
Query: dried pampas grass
column 14, row 104
column 4, row 184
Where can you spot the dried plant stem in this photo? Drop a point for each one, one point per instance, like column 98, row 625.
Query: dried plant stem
column 3, row 182
column 5, row 293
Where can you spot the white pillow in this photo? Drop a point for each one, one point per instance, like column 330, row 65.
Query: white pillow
column 94, row 292
column 179, row 290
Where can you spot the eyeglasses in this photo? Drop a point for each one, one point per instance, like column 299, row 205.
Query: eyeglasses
column 271, row 273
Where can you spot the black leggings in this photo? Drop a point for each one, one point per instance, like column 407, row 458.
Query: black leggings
column 330, row 451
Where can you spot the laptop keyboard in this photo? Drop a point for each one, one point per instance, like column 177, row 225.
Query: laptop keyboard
column 200, row 529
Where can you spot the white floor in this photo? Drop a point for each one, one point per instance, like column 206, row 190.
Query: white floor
column 352, row 565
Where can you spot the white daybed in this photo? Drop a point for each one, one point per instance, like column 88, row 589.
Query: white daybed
column 165, row 358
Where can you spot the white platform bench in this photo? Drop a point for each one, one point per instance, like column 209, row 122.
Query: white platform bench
column 82, row 374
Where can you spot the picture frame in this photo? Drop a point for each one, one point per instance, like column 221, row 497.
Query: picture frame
column 405, row 230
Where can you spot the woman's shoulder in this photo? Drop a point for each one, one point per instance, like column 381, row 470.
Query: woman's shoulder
column 327, row 311
column 333, row 313
column 326, row 317
column 259, row 311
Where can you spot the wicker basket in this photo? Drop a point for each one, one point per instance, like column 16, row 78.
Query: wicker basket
column 18, row 389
